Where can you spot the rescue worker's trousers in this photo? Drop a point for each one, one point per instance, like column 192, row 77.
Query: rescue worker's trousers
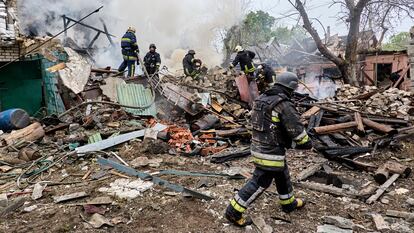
column 261, row 180
column 131, row 67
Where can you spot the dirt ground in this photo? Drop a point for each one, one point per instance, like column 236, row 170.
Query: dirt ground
column 160, row 211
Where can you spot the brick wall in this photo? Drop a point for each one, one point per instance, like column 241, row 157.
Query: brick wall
column 9, row 53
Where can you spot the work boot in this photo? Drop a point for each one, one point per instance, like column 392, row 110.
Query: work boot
column 297, row 204
column 236, row 217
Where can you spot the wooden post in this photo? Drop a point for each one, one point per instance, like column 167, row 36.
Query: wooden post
column 382, row 189
column 335, row 128
column 379, row 127
column 360, row 124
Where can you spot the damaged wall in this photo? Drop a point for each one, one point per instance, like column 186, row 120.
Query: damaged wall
column 174, row 27
column 9, row 48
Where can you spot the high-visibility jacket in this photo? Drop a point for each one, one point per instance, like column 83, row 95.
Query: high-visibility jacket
column 129, row 46
column 275, row 124
column 245, row 58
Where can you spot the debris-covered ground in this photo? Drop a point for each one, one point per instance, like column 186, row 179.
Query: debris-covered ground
column 78, row 172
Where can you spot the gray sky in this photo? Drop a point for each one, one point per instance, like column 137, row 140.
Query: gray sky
column 318, row 9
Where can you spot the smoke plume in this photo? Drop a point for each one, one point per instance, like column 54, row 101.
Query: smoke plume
column 174, row 26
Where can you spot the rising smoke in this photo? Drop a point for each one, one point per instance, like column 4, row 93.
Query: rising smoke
column 174, row 26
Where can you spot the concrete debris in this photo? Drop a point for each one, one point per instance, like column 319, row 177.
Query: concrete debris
column 380, row 223
column 263, row 227
column 402, row 227
column 127, row 189
column 38, row 190
column 332, row 229
column 410, row 201
column 338, row 221
column 30, row 208
column 98, row 220
column 3, row 200
column 77, row 72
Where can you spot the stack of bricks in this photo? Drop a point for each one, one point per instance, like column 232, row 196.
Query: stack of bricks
column 411, row 57
column 9, row 53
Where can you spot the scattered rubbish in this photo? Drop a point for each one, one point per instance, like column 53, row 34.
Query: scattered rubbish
column 155, row 180
column 38, row 190
column 30, row 208
column 332, row 229
column 144, row 161
column 263, row 227
column 110, row 142
column 98, row 220
column 126, row 188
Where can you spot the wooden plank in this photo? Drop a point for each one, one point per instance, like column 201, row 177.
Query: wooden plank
column 57, row 67
column 403, row 75
column 327, row 189
column 400, row 214
column 69, row 197
column 216, row 106
column 360, row 124
column 308, row 172
column 335, row 128
column 310, row 112
column 379, row 127
column 381, row 190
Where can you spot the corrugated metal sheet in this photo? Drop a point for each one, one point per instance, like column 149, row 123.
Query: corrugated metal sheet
column 136, row 95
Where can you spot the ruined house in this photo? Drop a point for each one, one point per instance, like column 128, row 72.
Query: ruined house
column 24, row 82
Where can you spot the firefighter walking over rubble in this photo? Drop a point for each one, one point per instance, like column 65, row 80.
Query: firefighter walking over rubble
column 152, row 60
column 265, row 77
column 275, row 125
column 245, row 59
column 130, row 52
column 191, row 65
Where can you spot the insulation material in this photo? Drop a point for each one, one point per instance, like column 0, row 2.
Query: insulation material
column 77, row 71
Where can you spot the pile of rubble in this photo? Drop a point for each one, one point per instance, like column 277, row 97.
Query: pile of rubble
column 391, row 102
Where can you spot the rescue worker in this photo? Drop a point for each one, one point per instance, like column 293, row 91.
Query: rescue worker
column 275, row 125
column 152, row 60
column 130, row 52
column 265, row 76
column 191, row 65
column 245, row 59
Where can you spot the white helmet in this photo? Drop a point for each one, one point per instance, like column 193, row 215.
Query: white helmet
column 131, row 29
column 238, row 48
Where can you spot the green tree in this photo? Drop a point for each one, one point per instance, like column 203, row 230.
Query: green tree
column 287, row 35
column 398, row 42
column 256, row 28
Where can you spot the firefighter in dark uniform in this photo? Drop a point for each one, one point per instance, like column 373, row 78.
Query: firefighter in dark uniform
column 265, row 77
column 191, row 65
column 245, row 59
column 129, row 52
column 152, row 60
column 275, row 125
